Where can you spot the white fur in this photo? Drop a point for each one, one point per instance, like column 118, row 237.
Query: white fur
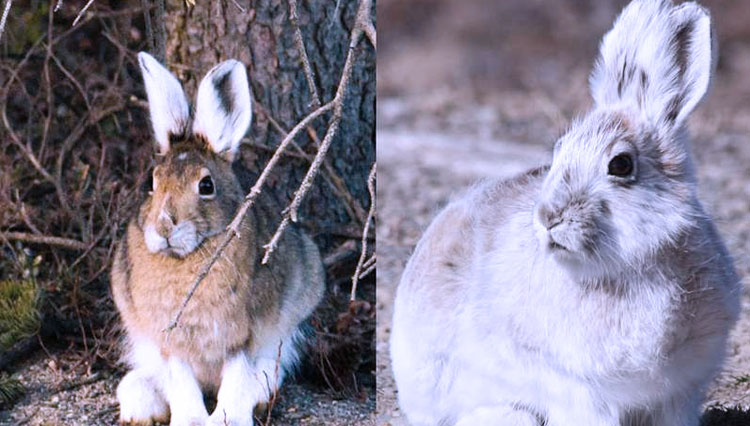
column 640, row 40
column 167, row 103
column 224, row 127
column 184, row 394
column 493, row 325
column 248, row 381
column 140, row 400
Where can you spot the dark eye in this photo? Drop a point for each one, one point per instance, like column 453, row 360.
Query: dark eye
column 206, row 186
column 621, row 165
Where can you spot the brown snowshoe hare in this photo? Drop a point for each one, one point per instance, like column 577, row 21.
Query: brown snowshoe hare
column 239, row 334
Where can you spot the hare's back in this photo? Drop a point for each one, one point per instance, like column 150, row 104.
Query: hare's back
column 441, row 267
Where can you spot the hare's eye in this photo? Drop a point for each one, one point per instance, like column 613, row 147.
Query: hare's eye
column 621, row 165
column 206, row 186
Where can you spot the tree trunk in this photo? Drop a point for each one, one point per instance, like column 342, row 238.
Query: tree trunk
column 262, row 37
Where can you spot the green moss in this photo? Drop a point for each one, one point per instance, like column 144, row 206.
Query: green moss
column 19, row 311
column 10, row 390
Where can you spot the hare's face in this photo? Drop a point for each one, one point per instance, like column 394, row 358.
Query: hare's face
column 621, row 185
column 194, row 193
column 193, row 197
column 611, row 196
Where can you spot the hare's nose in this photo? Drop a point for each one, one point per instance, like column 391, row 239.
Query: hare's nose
column 547, row 217
column 167, row 217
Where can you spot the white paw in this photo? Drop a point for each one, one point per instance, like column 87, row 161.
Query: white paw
column 187, row 421
column 221, row 417
column 490, row 416
column 140, row 401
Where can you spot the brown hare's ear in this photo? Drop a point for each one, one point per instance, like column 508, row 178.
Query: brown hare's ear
column 657, row 58
column 169, row 109
column 223, row 109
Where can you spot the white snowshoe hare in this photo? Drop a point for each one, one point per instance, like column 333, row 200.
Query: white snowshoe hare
column 592, row 292
column 240, row 331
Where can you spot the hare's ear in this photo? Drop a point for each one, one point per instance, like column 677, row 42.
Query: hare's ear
column 223, row 109
column 169, row 109
column 658, row 58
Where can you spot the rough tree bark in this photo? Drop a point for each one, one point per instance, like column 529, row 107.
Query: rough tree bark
column 262, row 37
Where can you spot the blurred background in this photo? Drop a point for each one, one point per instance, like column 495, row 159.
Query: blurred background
column 471, row 89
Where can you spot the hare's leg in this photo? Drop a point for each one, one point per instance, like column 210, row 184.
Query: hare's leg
column 679, row 411
column 247, row 381
column 183, row 394
column 577, row 404
column 501, row 415
column 139, row 394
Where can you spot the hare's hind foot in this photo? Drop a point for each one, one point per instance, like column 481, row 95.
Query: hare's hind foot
column 141, row 403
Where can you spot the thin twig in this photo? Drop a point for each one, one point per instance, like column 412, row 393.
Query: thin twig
column 45, row 239
column 58, row 5
column 232, row 229
column 149, row 28
column 366, row 21
column 370, row 216
column 290, row 213
column 80, row 14
column 160, row 32
column 6, row 10
column 242, row 9
column 353, row 209
column 303, row 53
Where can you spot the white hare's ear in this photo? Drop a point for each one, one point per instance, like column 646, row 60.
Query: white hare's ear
column 169, row 109
column 223, row 109
column 658, row 58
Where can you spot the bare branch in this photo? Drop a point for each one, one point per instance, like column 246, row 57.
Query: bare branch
column 45, row 239
column 80, row 14
column 6, row 10
column 290, row 213
column 370, row 215
column 233, row 227
column 303, row 53
column 160, row 32
column 149, row 27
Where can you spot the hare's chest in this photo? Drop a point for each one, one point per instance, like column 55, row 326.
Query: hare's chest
column 214, row 321
column 599, row 332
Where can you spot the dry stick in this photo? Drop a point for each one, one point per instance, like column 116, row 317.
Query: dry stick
column 147, row 19
column 353, row 209
column 80, row 14
column 290, row 213
column 45, row 239
column 367, row 25
column 303, row 53
column 232, row 229
column 370, row 215
column 160, row 32
column 5, row 16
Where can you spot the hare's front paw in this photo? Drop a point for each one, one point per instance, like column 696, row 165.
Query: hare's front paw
column 140, row 401
column 490, row 415
column 222, row 419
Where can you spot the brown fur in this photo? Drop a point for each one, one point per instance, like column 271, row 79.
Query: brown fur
column 241, row 302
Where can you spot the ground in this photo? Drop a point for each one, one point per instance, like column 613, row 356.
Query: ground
column 432, row 147
column 57, row 393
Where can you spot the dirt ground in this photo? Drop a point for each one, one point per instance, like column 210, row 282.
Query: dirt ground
column 57, row 394
column 429, row 150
